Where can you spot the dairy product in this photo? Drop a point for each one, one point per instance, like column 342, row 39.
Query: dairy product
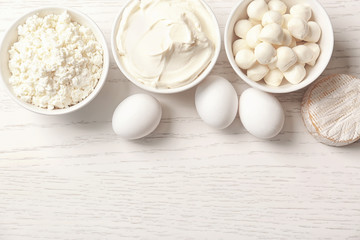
column 245, row 58
column 298, row 28
column 55, row 63
column 304, row 54
column 285, row 58
column 288, row 39
column 272, row 33
column 331, row 110
column 302, row 11
column 265, row 53
column 295, row 74
column 242, row 27
column 257, row 72
column 166, row 44
column 277, row 5
column 316, row 50
column 272, row 17
column 274, row 77
column 314, row 32
column 252, row 36
column 286, row 18
column 283, row 42
column 239, row 45
column 257, row 9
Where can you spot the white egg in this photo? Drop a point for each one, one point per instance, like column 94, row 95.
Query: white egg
column 216, row 102
column 261, row 113
column 137, row 116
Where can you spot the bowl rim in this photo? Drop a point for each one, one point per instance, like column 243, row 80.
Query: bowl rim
column 100, row 38
column 269, row 89
column 186, row 87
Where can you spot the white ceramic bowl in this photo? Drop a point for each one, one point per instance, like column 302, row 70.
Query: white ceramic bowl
column 201, row 77
column 326, row 44
column 11, row 36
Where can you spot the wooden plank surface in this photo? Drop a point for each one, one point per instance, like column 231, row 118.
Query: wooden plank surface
column 70, row 177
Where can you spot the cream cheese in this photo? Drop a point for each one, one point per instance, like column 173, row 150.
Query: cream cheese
column 166, row 43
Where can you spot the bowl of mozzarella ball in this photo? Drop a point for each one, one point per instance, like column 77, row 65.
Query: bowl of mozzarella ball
column 279, row 46
column 53, row 60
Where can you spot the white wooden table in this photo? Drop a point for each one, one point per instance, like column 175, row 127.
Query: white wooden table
column 70, row 177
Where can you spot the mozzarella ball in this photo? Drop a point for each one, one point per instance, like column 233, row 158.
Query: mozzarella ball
column 242, row 27
column 293, row 42
column 286, row 19
column 254, row 21
column 301, row 11
column 257, row 72
column 287, row 38
column 274, row 78
column 272, row 65
column 272, row 17
column 265, row 53
column 298, row 28
column 238, row 45
column 316, row 50
column 252, row 37
column 277, row 5
column 314, row 32
column 245, row 58
column 295, row 74
column 272, row 33
column 303, row 53
column 285, row 58
column 257, row 9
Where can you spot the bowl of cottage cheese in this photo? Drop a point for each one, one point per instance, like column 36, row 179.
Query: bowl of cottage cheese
column 54, row 60
column 166, row 46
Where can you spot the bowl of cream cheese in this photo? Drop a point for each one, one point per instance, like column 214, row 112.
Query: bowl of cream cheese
column 166, row 46
column 54, row 60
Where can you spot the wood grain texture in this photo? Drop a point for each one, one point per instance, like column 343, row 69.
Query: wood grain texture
column 70, row 177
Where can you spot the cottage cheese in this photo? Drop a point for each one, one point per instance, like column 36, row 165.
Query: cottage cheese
column 56, row 63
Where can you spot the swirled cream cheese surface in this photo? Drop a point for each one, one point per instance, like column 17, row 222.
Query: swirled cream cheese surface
column 166, row 43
